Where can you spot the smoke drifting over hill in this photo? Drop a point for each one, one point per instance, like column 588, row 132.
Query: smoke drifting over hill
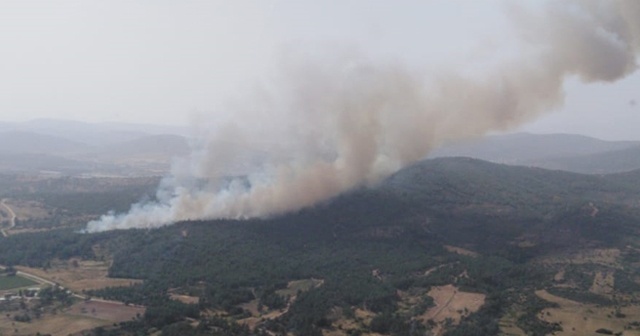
column 326, row 126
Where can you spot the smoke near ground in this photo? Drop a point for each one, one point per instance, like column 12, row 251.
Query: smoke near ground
column 325, row 125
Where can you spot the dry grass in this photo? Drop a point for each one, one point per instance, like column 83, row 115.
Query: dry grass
column 185, row 298
column 108, row 311
column 88, row 275
column 252, row 307
column 433, row 269
column 300, row 285
column 16, row 231
column 56, row 325
column 604, row 257
column 579, row 319
column 81, row 316
column 460, row 251
column 451, row 304
column 603, row 283
column 28, row 209
column 508, row 325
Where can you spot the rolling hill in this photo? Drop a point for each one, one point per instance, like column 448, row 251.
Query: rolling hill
column 371, row 258
column 133, row 149
column 22, row 142
column 574, row 153
column 613, row 161
column 78, row 148
column 161, row 146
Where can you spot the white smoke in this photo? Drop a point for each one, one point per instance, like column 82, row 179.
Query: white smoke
column 324, row 126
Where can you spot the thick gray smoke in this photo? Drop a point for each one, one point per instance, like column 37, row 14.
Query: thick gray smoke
column 326, row 126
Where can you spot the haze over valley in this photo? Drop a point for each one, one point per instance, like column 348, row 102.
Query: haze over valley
column 405, row 168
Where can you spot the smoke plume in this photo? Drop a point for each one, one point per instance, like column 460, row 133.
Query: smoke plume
column 326, row 125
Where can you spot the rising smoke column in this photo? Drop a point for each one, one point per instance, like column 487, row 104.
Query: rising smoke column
column 326, row 126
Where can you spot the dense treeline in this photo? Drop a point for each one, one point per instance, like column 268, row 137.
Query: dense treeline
column 38, row 249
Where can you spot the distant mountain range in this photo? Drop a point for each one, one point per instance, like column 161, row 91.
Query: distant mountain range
column 95, row 134
column 27, row 142
column 161, row 145
column 71, row 147
column 575, row 153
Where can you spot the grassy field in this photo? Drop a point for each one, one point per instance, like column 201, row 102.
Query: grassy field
column 11, row 282
column 55, row 325
column 70, row 321
column 450, row 305
column 79, row 275
column 579, row 319
column 300, row 285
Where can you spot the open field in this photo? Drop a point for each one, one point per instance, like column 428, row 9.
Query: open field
column 460, row 251
column 300, row 285
column 16, row 281
column 79, row 275
column 29, row 209
column 56, row 325
column 81, row 316
column 603, row 257
column 451, row 305
column 603, row 283
column 579, row 319
column 184, row 298
column 109, row 311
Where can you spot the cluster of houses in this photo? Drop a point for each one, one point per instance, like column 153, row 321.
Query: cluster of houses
column 31, row 293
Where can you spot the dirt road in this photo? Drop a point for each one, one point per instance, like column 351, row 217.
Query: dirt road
column 12, row 219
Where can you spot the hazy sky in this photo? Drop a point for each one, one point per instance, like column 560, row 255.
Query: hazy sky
column 166, row 61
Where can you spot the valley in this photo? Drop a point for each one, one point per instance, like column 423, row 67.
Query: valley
column 320, row 168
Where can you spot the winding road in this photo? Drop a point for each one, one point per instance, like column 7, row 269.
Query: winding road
column 12, row 220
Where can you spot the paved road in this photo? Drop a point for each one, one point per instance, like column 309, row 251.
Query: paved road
column 42, row 280
column 35, row 278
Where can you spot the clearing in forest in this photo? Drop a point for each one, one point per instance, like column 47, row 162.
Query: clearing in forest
column 451, row 305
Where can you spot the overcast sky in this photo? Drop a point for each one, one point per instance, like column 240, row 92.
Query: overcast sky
column 168, row 61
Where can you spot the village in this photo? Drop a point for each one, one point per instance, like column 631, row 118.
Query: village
column 31, row 304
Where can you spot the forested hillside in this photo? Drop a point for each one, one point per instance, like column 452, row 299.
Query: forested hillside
column 374, row 260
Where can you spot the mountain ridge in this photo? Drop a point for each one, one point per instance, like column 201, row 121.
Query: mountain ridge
column 576, row 153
